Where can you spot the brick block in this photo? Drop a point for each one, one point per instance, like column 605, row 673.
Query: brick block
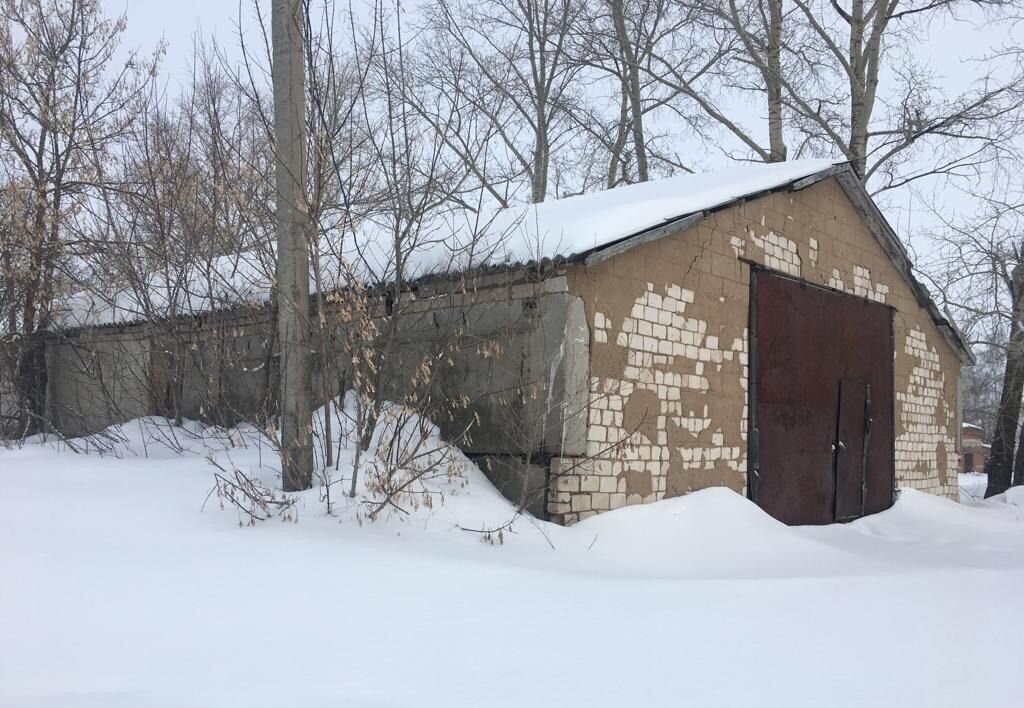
column 566, row 483
column 558, row 508
column 581, row 502
column 590, row 483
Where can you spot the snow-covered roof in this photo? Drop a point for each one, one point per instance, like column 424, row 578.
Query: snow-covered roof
column 451, row 241
column 583, row 223
column 218, row 283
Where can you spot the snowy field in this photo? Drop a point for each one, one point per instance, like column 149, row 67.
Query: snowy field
column 118, row 590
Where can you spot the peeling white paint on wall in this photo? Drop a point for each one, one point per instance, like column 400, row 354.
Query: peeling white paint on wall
column 669, row 354
column 780, row 253
column 928, row 421
column 862, row 285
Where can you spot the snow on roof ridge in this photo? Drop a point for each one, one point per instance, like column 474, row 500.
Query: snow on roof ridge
column 585, row 222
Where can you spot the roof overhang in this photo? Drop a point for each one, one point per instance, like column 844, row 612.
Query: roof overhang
column 891, row 244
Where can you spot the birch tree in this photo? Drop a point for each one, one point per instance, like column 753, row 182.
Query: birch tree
column 759, row 27
column 617, row 42
column 894, row 103
column 629, row 55
column 710, row 53
column 846, row 79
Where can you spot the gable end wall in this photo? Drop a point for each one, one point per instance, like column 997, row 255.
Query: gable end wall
column 669, row 347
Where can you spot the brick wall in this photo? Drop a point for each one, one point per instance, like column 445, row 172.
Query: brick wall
column 668, row 364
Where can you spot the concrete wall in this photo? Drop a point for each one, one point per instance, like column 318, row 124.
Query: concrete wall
column 213, row 370
column 508, row 383
column 521, row 364
column 669, row 368
column 97, row 379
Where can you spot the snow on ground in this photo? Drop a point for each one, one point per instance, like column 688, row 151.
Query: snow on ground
column 972, row 487
column 118, row 590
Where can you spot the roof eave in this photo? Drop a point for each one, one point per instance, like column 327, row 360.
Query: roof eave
column 687, row 220
column 891, row 244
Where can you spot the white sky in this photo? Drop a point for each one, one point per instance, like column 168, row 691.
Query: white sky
column 952, row 42
column 178, row 22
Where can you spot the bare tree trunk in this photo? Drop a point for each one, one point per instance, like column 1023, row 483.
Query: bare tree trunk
column 1000, row 462
column 631, row 81
column 860, row 110
column 1018, row 459
column 777, row 143
column 615, row 151
column 292, row 246
column 325, row 369
column 541, row 158
column 1017, row 338
column 325, row 386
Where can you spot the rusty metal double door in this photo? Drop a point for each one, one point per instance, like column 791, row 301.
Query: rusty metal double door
column 821, row 402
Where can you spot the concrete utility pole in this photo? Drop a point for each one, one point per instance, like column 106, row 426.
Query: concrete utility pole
column 296, row 399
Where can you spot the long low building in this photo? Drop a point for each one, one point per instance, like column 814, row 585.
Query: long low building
column 758, row 328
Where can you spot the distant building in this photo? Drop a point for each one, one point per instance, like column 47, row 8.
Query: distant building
column 975, row 451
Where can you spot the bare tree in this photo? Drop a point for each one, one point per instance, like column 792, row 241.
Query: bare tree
column 188, row 230
column 712, row 52
column 977, row 266
column 622, row 42
column 982, row 384
column 1006, row 456
column 839, row 79
column 751, row 34
column 629, row 55
column 522, row 76
column 887, row 121
column 64, row 100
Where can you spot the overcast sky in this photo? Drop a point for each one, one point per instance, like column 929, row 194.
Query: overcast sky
column 178, row 22
column 951, row 43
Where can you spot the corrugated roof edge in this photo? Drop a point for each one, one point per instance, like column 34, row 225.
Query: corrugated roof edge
column 862, row 203
column 533, row 271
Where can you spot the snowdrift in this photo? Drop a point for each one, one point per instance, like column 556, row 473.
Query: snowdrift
column 713, row 533
column 442, row 489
